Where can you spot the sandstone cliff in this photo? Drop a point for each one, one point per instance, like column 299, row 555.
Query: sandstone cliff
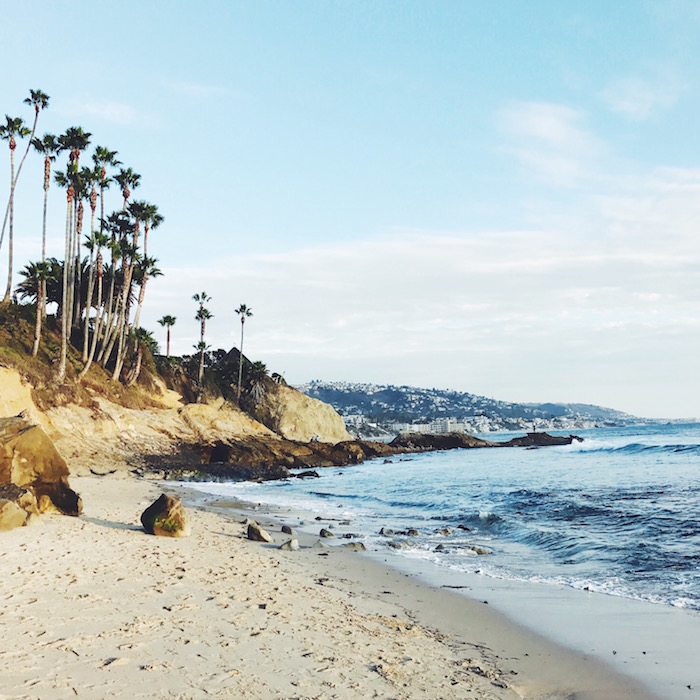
column 108, row 436
column 295, row 416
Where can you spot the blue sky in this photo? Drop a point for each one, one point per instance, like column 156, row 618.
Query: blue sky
column 501, row 198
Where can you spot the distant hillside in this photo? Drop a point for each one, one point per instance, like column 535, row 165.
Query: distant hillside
column 368, row 407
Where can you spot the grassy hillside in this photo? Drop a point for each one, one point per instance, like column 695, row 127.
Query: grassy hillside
column 16, row 339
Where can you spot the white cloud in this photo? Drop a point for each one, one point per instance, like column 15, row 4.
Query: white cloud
column 550, row 140
column 640, row 98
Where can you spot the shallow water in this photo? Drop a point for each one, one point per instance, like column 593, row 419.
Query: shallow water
column 618, row 513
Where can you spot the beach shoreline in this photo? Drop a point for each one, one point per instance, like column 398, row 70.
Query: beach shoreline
column 581, row 632
column 94, row 607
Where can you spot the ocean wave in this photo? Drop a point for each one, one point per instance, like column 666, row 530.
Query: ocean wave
column 633, row 448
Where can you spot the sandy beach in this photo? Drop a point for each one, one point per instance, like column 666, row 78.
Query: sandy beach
column 93, row 607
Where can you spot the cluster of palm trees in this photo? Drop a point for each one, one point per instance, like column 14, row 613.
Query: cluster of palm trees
column 203, row 315
column 94, row 297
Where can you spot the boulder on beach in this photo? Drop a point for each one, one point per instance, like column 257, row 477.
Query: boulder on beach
column 30, row 461
column 326, row 533
column 290, row 546
column 257, row 534
column 166, row 517
column 288, row 530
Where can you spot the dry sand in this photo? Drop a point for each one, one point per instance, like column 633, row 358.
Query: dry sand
column 93, row 607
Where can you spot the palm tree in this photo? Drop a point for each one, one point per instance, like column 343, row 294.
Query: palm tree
column 152, row 220
column 137, row 210
column 49, row 146
column 36, row 274
column 87, row 179
column 167, row 322
column 40, row 100
column 145, row 269
column 244, row 312
column 201, row 299
column 75, row 141
column 130, row 254
column 8, row 132
column 127, row 179
column 202, row 315
column 102, row 157
column 94, row 244
column 119, row 223
column 65, row 180
column 258, row 377
column 99, row 240
column 201, row 347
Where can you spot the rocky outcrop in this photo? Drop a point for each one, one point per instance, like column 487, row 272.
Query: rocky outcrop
column 541, row 440
column 30, row 460
column 423, row 442
column 166, row 517
column 298, row 417
column 261, row 458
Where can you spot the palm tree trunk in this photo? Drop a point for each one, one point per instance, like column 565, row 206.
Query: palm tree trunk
column 71, row 269
column 64, row 303
column 109, row 348
column 136, row 370
column 123, row 323
column 167, row 352
column 108, row 311
column 240, row 361
column 91, row 282
column 200, row 376
column 142, row 294
column 88, row 308
column 37, row 326
column 47, row 181
column 95, row 335
column 10, row 240
column 78, row 302
column 10, row 204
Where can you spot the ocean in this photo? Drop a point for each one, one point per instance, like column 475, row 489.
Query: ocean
column 618, row 513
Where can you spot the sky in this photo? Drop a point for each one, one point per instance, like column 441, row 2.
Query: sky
column 501, row 198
